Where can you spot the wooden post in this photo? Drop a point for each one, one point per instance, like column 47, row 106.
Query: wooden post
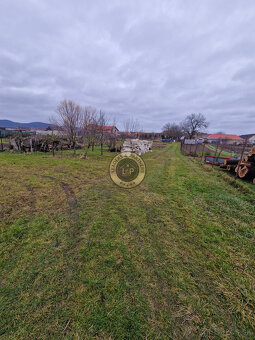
column 53, row 149
column 221, row 149
column 241, row 158
column 203, row 152
column 195, row 150
column 216, row 148
column 216, row 151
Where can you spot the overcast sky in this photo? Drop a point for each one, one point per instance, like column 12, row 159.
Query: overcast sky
column 153, row 60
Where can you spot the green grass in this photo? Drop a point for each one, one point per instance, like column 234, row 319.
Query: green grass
column 225, row 153
column 82, row 258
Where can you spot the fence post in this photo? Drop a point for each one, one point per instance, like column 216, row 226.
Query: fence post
column 221, row 149
column 215, row 152
column 216, row 148
column 195, row 150
column 203, row 152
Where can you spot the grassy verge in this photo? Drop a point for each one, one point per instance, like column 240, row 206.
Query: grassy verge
column 82, row 258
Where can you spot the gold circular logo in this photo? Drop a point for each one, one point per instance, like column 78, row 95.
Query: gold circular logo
column 127, row 170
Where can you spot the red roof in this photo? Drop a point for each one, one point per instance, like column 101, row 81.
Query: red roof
column 224, row 136
column 139, row 133
column 105, row 128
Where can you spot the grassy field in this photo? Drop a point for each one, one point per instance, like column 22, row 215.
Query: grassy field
column 81, row 258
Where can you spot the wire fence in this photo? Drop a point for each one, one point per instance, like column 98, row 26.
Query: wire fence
column 217, row 150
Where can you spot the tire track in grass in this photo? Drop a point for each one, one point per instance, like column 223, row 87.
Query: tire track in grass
column 53, row 274
column 167, row 251
column 191, row 260
column 155, row 250
column 32, row 200
column 71, row 199
column 69, row 273
column 79, row 226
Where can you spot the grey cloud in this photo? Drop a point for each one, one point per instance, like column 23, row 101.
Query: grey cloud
column 156, row 60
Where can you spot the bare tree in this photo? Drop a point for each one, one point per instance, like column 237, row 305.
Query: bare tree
column 126, row 125
column 68, row 120
column 88, row 128
column 101, row 123
column 193, row 123
column 131, row 125
column 172, row 130
column 93, row 131
column 112, row 139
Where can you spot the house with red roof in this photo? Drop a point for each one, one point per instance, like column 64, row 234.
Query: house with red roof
column 111, row 129
column 126, row 134
column 224, row 139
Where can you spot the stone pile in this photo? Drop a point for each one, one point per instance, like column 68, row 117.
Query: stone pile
column 137, row 146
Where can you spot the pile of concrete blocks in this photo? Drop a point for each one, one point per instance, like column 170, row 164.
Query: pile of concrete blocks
column 137, row 146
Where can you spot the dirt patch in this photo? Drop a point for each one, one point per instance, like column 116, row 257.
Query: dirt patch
column 70, row 195
column 156, row 145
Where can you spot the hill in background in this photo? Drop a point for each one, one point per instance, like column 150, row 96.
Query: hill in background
column 34, row 125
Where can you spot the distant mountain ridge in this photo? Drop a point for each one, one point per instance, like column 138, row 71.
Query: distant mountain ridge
column 33, row 125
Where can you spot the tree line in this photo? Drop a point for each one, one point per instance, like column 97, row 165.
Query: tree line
column 87, row 125
column 189, row 127
column 80, row 123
